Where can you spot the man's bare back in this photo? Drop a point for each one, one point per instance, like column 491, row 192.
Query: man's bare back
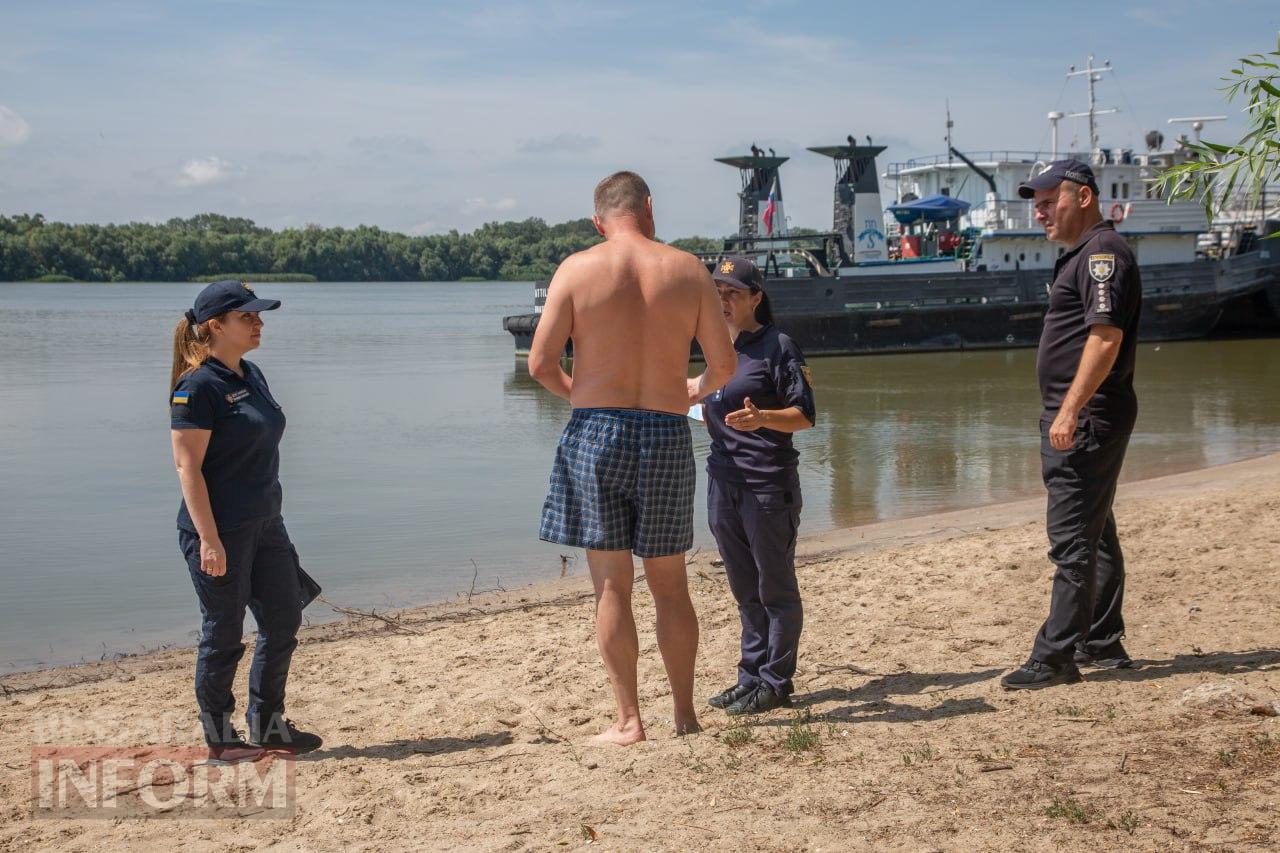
column 632, row 306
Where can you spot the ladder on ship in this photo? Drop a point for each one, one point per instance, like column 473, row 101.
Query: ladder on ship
column 968, row 244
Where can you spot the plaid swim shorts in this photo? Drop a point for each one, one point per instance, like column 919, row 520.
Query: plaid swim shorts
column 623, row 479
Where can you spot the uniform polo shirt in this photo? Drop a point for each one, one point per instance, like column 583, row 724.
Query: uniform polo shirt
column 771, row 371
column 242, row 464
column 1096, row 283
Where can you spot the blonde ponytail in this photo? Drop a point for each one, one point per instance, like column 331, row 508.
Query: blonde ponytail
column 190, row 348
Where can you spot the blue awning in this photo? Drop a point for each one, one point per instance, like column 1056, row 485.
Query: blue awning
column 935, row 208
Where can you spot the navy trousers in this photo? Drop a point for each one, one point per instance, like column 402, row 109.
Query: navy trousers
column 1088, row 586
column 262, row 574
column 756, row 534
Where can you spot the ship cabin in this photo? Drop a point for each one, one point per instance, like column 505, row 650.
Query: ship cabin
column 994, row 229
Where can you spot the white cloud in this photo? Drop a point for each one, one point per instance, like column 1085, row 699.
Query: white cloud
column 204, row 171
column 14, row 129
column 482, row 205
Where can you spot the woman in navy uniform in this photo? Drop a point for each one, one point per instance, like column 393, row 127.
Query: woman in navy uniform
column 753, row 494
column 226, row 430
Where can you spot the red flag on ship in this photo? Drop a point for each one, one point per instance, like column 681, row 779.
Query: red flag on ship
column 771, row 207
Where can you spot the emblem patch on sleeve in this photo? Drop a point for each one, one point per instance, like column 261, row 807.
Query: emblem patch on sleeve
column 808, row 374
column 1102, row 266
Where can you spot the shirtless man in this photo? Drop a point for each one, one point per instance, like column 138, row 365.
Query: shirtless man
column 623, row 479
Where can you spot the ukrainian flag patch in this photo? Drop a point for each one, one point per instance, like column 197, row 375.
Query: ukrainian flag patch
column 181, row 398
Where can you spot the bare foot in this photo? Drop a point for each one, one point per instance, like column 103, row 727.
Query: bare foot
column 687, row 725
column 621, row 735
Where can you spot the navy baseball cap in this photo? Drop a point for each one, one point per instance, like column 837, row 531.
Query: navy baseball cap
column 1057, row 172
column 738, row 272
column 228, row 295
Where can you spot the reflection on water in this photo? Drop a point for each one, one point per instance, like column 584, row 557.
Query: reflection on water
column 418, row 450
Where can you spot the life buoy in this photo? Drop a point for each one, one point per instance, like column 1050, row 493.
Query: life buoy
column 1116, row 213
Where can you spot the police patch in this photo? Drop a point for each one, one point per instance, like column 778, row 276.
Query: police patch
column 808, row 374
column 1102, row 266
column 236, row 396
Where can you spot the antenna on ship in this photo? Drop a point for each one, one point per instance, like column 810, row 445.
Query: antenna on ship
column 1196, row 122
column 950, row 147
column 1093, row 74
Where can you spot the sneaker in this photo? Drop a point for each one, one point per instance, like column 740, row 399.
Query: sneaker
column 725, row 698
column 1112, row 657
column 282, row 734
column 234, row 750
column 1035, row 674
column 762, row 698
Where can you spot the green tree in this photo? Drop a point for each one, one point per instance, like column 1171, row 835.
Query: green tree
column 1251, row 163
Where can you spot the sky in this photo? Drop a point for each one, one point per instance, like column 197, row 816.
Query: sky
column 423, row 117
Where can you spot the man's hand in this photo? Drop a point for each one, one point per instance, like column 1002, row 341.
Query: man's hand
column 746, row 419
column 1062, row 432
column 213, row 558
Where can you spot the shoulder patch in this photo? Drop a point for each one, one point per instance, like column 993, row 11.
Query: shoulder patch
column 181, row 398
column 808, row 374
column 1102, row 266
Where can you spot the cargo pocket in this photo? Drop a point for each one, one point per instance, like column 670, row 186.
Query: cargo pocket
column 308, row 589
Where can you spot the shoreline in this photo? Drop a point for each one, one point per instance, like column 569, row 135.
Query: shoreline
column 893, row 532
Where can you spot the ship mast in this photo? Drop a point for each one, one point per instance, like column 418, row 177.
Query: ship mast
column 1093, row 74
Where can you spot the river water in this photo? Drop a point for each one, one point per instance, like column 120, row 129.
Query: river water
column 417, row 452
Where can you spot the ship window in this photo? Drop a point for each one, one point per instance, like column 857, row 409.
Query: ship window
column 1125, row 188
column 1037, row 257
column 1114, row 192
column 1022, row 256
column 1006, row 257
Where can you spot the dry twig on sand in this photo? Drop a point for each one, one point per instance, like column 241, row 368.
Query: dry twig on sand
column 394, row 622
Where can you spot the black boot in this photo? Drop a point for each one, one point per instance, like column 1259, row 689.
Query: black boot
column 727, row 697
column 762, row 699
column 1035, row 674
column 280, row 733
column 1112, row 657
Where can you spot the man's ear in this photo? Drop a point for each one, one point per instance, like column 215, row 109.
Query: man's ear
column 595, row 220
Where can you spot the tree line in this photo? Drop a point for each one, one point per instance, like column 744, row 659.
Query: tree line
column 210, row 244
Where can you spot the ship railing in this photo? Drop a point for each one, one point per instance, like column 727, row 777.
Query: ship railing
column 1140, row 214
column 1006, row 156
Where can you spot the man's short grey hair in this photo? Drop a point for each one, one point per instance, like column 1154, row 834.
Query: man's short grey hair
column 621, row 192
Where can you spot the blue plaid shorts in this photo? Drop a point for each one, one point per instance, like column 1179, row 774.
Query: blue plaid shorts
column 623, row 480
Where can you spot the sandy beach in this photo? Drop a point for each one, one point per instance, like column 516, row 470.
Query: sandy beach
column 468, row 725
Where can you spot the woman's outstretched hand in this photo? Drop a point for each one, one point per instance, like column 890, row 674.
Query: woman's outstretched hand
column 746, row 419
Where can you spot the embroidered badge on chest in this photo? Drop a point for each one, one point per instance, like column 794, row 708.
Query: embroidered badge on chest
column 236, row 396
column 1102, row 266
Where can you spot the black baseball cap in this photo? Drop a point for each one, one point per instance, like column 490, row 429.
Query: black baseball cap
column 1057, row 172
column 738, row 272
column 228, row 295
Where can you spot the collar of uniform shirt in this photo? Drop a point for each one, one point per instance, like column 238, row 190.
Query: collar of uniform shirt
column 745, row 338
column 1104, row 225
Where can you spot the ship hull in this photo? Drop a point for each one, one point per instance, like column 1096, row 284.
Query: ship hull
column 976, row 310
